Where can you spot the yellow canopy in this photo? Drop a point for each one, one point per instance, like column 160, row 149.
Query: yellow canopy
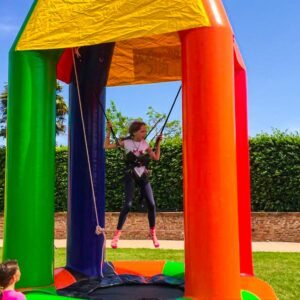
column 147, row 48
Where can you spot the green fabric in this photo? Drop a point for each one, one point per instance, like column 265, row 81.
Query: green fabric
column 174, row 269
column 248, row 296
column 244, row 294
column 30, row 165
column 41, row 296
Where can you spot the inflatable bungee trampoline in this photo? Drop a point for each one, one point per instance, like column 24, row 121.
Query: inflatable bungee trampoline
column 126, row 43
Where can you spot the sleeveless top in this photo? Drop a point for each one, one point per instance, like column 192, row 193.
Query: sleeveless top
column 136, row 155
column 12, row 295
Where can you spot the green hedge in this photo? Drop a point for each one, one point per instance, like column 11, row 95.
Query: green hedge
column 275, row 172
column 275, row 175
column 61, row 182
column 2, row 177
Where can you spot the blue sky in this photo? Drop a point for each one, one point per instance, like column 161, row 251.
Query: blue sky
column 268, row 36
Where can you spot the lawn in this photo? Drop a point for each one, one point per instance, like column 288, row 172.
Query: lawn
column 281, row 270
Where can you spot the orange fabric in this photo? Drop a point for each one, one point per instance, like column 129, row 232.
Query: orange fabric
column 257, row 286
column 141, row 60
column 216, row 13
column 63, row 278
column 210, row 187
column 137, row 61
column 145, row 268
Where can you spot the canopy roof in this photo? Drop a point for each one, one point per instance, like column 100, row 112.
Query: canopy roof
column 64, row 24
column 145, row 31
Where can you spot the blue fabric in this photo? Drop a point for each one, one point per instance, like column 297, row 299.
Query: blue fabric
column 84, row 247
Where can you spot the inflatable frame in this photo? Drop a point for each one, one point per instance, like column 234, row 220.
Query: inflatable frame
column 130, row 43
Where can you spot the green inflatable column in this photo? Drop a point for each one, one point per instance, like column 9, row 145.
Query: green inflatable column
column 30, row 165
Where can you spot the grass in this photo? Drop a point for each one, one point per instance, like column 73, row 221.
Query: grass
column 280, row 270
column 129, row 254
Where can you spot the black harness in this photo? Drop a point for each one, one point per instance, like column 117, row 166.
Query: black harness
column 132, row 161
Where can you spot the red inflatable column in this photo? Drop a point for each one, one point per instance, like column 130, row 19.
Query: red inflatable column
column 243, row 168
column 210, row 174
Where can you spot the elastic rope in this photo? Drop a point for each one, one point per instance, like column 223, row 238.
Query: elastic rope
column 157, row 122
column 163, row 127
column 112, row 131
column 167, row 118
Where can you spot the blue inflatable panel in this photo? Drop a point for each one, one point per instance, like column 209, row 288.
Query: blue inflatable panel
column 84, row 247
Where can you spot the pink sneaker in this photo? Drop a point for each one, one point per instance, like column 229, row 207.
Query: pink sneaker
column 114, row 242
column 154, row 237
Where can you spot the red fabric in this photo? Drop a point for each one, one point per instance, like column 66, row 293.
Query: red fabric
column 63, row 278
column 65, row 66
column 243, row 165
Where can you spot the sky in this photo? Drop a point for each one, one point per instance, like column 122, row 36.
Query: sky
column 267, row 33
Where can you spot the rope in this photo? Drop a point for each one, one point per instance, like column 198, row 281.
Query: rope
column 99, row 230
column 157, row 122
column 112, row 131
column 167, row 118
column 163, row 127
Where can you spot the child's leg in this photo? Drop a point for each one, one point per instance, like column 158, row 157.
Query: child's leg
column 151, row 212
column 129, row 191
column 148, row 193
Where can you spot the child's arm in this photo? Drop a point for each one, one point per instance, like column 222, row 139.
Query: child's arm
column 155, row 155
column 107, row 142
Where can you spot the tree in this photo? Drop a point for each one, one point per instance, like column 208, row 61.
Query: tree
column 121, row 122
column 61, row 110
column 3, row 111
column 172, row 128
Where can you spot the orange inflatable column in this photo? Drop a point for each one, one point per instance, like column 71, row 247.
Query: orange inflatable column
column 243, row 167
column 210, row 174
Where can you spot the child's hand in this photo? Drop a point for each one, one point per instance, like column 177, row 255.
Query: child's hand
column 109, row 126
column 77, row 53
column 159, row 138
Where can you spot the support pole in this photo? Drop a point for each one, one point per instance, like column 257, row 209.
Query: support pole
column 84, row 247
column 30, row 161
column 210, row 184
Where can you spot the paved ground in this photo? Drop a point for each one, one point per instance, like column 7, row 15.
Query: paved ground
column 256, row 246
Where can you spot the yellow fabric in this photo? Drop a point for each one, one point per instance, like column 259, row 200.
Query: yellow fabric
column 70, row 23
column 147, row 48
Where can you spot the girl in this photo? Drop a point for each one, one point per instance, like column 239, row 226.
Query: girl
column 137, row 152
column 9, row 275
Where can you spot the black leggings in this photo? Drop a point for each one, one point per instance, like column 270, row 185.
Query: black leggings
column 146, row 190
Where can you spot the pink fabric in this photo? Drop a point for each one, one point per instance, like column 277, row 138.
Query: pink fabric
column 12, row 295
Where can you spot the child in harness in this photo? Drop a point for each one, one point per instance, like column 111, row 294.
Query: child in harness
column 138, row 153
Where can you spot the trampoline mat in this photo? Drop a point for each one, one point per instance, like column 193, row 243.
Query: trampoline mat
column 126, row 286
column 133, row 292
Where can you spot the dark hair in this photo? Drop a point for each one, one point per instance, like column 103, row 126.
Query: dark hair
column 135, row 126
column 7, row 270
